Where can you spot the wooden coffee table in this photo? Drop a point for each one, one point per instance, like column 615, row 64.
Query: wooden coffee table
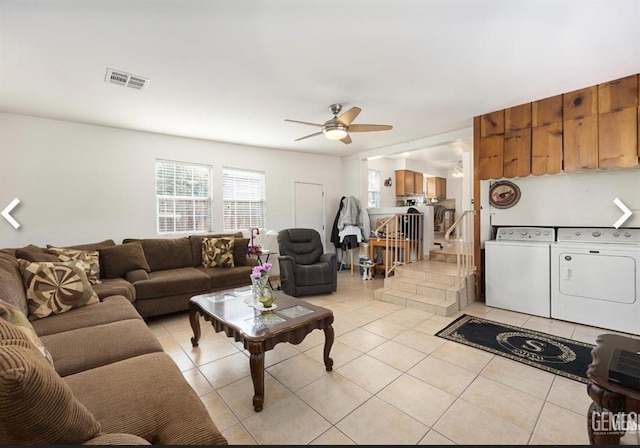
column 612, row 402
column 291, row 321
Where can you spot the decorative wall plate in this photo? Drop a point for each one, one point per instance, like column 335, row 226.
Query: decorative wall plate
column 504, row 194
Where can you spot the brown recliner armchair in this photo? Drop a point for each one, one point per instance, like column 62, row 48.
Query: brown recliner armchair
column 304, row 267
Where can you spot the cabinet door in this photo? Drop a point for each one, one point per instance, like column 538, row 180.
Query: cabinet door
column 546, row 136
column 546, row 149
column 580, row 103
column 580, row 144
column 418, row 183
column 618, row 94
column 400, row 183
column 492, row 124
column 618, row 139
column 441, row 187
column 491, row 157
column 517, row 153
column 518, row 117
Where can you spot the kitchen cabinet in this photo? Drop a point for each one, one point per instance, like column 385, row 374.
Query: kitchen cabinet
column 546, row 136
column 405, row 183
column 418, row 183
column 436, row 187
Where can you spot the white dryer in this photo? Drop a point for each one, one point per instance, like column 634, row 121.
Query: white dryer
column 595, row 277
column 517, row 270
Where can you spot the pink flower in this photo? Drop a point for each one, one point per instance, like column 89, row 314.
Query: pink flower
column 260, row 271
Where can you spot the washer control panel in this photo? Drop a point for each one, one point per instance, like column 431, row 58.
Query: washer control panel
column 544, row 234
column 599, row 235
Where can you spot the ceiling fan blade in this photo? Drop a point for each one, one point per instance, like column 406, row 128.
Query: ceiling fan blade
column 369, row 127
column 304, row 122
column 346, row 140
column 307, row 136
column 350, row 115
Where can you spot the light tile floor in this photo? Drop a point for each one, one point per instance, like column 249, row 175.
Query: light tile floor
column 393, row 381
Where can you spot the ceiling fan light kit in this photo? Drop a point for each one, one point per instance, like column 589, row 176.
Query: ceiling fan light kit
column 338, row 127
column 335, row 131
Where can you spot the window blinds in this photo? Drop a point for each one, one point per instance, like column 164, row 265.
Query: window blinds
column 243, row 199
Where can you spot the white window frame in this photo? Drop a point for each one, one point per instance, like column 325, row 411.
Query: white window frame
column 181, row 207
column 243, row 199
column 373, row 188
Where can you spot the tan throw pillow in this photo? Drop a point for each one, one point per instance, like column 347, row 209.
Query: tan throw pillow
column 55, row 287
column 16, row 317
column 217, row 252
column 90, row 260
column 122, row 258
column 36, row 406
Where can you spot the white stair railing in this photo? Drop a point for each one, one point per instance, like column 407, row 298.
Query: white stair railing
column 462, row 229
column 401, row 238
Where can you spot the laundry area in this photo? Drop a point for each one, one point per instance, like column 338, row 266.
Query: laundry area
column 573, row 260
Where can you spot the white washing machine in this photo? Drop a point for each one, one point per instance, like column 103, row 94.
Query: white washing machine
column 595, row 277
column 517, row 270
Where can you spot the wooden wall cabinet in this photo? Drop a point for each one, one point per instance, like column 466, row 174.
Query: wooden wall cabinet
column 517, row 141
column 405, row 183
column 618, row 123
column 546, row 136
column 418, row 183
column 436, row 187
column 491, row 145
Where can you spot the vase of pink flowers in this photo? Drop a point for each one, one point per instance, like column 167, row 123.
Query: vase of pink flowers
column 259, row 281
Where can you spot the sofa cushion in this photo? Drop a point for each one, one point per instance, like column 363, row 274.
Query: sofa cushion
column 167, row 253
column 36, row 406
column 217, row 252
column 16, row 317
column 115, row 287
column 86, row 348
column 227, row 278
column 168, row 412
column 35, row 255
column 90, row 260
column 11, row 283
column 54, row 288
column 171, row 282
column 112, row 309
column 196, row 245
column 89, row 246
column 240, row 246
column 119, row 259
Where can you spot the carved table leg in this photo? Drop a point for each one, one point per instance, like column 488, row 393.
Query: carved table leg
column 194, row 320
column 604, row 428
column 328, row 343
column 256, row 362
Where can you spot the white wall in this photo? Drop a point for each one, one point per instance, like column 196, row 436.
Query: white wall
column 82, row 183
column 572, row 200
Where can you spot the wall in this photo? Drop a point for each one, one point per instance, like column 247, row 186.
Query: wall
column 82, row 183
column 572, row 200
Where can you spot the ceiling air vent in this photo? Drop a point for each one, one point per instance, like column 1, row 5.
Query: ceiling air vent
column 125, row 79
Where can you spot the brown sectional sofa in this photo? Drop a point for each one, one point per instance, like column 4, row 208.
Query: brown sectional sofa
column 111, row 382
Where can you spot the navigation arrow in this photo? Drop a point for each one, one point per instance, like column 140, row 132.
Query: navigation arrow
column 626, row 214
column 5, row 213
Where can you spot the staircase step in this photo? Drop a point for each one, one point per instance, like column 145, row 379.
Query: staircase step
column 431, row 286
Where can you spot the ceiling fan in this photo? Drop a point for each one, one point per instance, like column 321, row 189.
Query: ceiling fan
column 339, row 127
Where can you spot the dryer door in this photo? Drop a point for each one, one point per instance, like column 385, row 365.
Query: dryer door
column 597, row 276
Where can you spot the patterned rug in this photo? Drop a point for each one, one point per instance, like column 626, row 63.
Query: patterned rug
column 554, row 354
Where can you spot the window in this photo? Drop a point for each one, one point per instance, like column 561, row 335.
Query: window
column 374, row 189
column 183, row 199
column 243, row 199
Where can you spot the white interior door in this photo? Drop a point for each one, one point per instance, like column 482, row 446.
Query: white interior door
column 309, row 207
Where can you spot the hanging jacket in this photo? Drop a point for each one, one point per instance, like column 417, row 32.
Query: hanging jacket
column 335, row 238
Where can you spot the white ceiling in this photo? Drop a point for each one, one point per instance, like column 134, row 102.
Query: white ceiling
column 232, row 71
